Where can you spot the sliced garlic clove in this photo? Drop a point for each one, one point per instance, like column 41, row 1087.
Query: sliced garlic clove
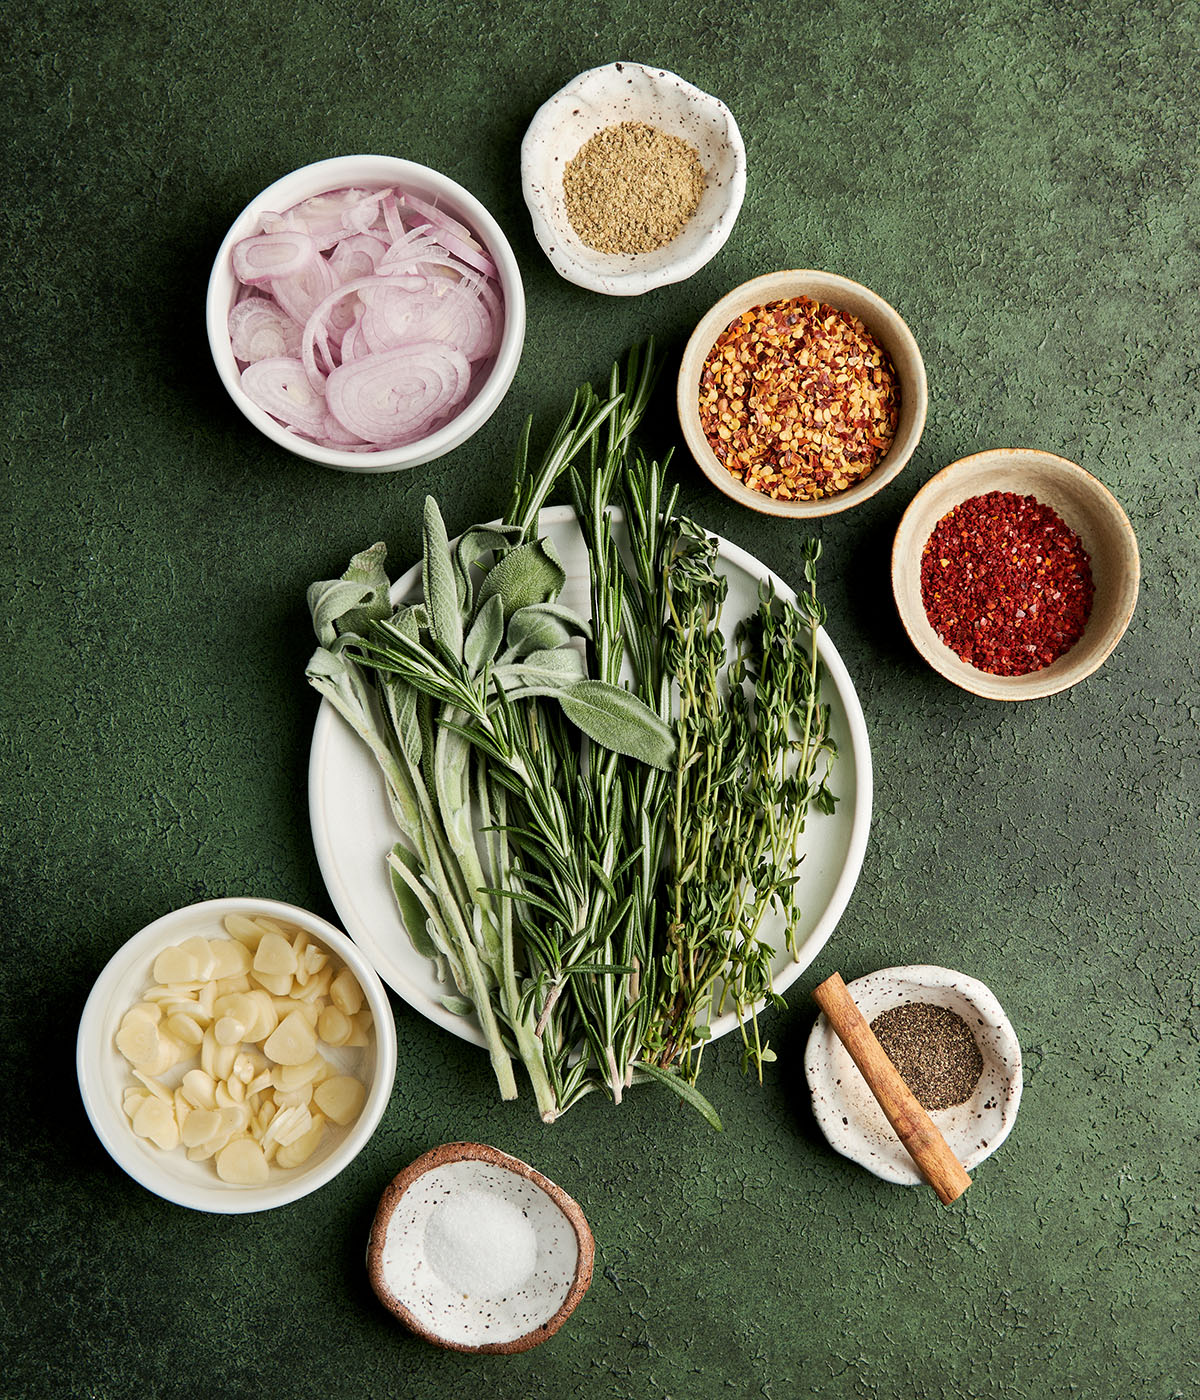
column 292, row 1042
column 345, row 993
column 296, row 1153
column 243, row 1163
column 340, row 1098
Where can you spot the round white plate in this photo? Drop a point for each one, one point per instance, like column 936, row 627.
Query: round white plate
column 353, row 828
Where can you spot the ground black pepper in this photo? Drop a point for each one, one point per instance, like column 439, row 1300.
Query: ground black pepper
column 933, row 1049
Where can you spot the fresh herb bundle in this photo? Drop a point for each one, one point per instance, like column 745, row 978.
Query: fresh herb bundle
column 554, row 777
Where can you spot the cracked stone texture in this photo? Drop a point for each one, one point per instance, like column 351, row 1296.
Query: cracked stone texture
column 1020, row 181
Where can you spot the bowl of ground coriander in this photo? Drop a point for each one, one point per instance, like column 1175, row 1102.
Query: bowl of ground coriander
column 802, row 394
column 954, row 1047
column 633, row 178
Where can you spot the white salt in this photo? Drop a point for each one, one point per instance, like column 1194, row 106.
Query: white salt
column 480, row 1245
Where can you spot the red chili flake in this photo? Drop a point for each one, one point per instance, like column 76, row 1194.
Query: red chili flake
column 1006, row 584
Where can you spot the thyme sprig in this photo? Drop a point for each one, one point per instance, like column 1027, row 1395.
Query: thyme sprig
column 754, row 756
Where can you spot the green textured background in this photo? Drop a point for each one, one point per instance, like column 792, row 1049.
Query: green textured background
column 1021, row 182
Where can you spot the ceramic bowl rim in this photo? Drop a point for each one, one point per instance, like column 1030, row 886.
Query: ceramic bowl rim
column 771, row 286
column 332, row 173
column 445, row 1155
column 906, row 555
column 632, row 281
column 921, row 975
column 107, row 1118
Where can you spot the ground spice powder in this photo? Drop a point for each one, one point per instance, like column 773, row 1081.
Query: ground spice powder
column 798, row 400
column 933, row 1049
column 632, row 188
column 1006, row 584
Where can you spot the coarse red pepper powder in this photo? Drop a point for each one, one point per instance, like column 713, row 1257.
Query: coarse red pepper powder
column 1006, row 584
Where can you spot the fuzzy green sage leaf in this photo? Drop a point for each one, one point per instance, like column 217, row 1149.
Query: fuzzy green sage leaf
column 618, row 720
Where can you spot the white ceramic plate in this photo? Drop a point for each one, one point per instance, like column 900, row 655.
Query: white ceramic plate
column 353, row 828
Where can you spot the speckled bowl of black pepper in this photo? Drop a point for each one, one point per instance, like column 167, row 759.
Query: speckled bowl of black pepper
column 954, row 1047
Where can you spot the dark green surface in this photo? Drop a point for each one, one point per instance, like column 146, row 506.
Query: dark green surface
column 1021, row 183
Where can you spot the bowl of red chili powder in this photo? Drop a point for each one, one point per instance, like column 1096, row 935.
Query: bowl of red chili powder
column 1015, row 573
column 801, row 394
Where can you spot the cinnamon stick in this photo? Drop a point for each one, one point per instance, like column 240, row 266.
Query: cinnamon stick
column 911, row 1124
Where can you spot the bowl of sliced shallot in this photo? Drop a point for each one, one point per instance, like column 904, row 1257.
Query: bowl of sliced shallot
column 367, row 313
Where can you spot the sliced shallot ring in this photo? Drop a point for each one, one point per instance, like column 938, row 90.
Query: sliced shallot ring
column 268, row 257
column 456, row 238
column 439, row 218
column 398, row 392
column 281, row 388
column 391, row 216
column 299, row 294
column 259, row 330
column 448, row 311
column 319, row 319
column 328, row 218
column 356, row 255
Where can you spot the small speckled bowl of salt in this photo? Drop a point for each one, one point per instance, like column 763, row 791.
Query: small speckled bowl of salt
column 475, row 1251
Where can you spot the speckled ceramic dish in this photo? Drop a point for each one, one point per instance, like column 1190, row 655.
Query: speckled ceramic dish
column 604, row 97
column 1083, row 503
column 887, row 329
column 846, row 1109
column 509, row 1302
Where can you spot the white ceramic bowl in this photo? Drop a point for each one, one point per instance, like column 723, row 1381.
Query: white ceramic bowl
column 604, row 97
column 889, row 331
column 847, row 1111
column 104, row 1073
column 338, row 173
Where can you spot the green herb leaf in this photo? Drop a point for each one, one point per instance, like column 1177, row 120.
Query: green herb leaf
column 411, row 911
column 687, row 1092
column 531, row 573
column 485, row 636
column 347, row 604
column 441, row 587
column 618, row 720
column 543, row 626
column 458, row 1006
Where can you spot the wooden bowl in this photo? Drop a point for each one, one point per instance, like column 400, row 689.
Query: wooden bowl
column 1088, row 507
column 885, row 326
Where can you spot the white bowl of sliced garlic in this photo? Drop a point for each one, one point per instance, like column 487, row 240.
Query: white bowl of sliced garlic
column 235, row 1055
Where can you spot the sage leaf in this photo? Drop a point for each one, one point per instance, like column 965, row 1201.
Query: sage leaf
column 441, row 588
column 401, row 697
column 471, row 547
column 531, row 573
column 542, row 626
column 348, row 603
column 618, row 720
column 411, row 910
column 485, row 636
column 458, row 1006
column 547, row 671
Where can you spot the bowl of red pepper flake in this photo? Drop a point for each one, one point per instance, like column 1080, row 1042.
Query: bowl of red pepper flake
column 802, row 394
column 1015, row 573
